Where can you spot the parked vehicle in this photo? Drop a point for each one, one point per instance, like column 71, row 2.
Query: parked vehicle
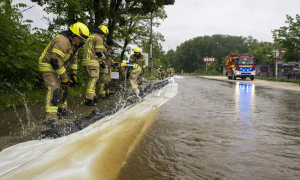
column 242, row 66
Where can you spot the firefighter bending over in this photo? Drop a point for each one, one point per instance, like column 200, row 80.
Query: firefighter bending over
column 170, row 71
column 59, row 55
column 139, row 59
column 93, row 58
column 161, row 72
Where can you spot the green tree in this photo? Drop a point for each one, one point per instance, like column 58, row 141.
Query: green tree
column 189, row 55
column 127, row 20
column 262, row 52
column 19, row 49
column 95, row 12
column 289, row 37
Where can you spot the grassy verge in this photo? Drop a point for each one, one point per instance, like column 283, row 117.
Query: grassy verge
column 13, row 98
column 296, row 81
column 151, row 75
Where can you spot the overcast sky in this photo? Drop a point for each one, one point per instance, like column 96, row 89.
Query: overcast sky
column 192, row 18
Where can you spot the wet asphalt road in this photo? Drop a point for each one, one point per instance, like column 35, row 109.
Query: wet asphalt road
column 210, row 130
column 221, row 130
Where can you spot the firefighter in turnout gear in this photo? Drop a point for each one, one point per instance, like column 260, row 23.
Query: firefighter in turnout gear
column 59, row 55
column 105, row 72
column 161, row 72
column 170, row 71
column 94, row 58
column 139, row 59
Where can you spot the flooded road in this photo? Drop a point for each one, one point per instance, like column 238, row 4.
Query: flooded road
column 209, row 130
column 221, row 130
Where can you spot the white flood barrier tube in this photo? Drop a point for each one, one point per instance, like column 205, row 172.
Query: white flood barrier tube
column 96, row 152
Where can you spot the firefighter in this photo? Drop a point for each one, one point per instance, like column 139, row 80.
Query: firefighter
column 93, row 58
column 169, row 71
column 172, row 71
column 105, row 72
column 139, row 59
column 58, row 56
column 160, row 72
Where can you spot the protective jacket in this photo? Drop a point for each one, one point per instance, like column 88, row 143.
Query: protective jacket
column 140, row 60
column 94, row 51
column 59, row 55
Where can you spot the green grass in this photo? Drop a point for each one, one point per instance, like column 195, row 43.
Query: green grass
column 151, row 75
column 12, row 98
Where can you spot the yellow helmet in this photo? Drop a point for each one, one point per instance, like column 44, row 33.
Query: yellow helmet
column 137, row 50
column 80, row 30
column 102, row 30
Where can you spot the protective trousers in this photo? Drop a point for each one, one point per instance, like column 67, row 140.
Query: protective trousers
column 93, row 76
column 104, row 81
column 134, row 74
column 56, row 95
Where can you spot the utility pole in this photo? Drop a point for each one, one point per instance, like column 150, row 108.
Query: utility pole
column 150, row 52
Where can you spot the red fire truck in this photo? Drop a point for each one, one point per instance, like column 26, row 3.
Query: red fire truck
column 240, row 66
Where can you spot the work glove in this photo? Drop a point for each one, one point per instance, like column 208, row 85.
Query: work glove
column 123, row 64
column 102, row 65
column 65, row 83
column 74, row 81
column 135, row 66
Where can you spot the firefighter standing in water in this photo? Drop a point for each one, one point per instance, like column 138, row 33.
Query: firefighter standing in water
column 140, row 60
column 93, row 58
column 106, row 71
column 59, row 55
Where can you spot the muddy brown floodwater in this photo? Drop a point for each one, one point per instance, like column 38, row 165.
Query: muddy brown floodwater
column 221, row 130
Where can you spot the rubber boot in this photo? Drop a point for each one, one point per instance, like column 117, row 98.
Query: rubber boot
column 65, row 112
column 137, row 92
column 51, row 120
column 89, row 102
column 95, row 99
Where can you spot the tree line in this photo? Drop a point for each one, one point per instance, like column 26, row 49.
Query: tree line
column 189, row 55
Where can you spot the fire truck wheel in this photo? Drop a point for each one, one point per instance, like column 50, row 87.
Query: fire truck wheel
column 252, row 78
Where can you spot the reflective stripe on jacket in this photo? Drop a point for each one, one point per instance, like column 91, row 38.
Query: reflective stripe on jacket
column 140, row 60
column 93, row 45
column 60, row 48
